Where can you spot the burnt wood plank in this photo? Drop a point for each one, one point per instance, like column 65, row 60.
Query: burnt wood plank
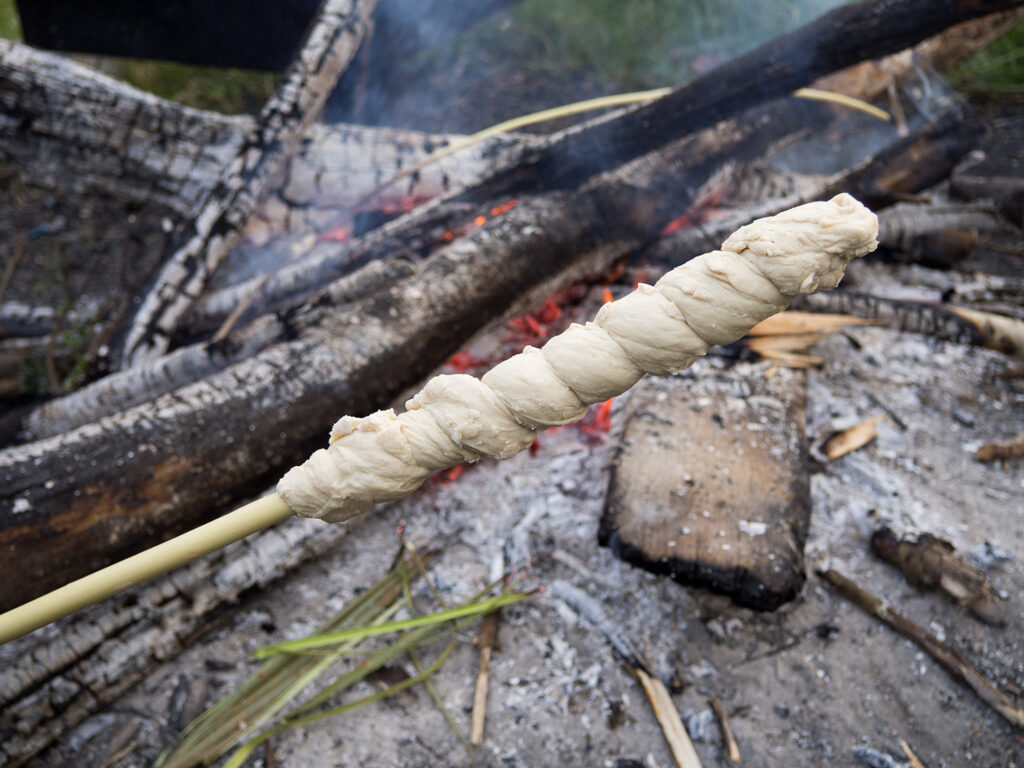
column 711, row 486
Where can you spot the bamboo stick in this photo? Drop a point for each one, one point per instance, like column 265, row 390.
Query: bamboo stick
column 164, row 557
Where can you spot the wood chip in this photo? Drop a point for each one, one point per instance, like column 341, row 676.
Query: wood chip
column 915, row 762
column 794, row 322
column 851, row 439
column 1001, row 450
column 700, row 495
column 668, row 718
column 785, row 338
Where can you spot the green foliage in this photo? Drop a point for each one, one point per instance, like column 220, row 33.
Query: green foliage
column 645, row 43
column 10, row 24
column 293, row 667
column 232, row 91
column 997, row 72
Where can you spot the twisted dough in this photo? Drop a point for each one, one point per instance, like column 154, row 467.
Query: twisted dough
column 713, row 299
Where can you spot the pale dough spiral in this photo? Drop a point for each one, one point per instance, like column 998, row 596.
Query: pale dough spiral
column 661, row 329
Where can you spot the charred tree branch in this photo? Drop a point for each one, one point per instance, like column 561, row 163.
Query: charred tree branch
column 215, row 224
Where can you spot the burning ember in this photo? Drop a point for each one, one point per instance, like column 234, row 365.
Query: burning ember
column 450, row 234
column 703, row 209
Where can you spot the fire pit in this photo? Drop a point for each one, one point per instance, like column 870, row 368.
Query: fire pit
column 300, row 270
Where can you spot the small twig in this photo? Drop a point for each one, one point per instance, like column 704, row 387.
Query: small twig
column 9, row 267
column 1001, row 450
column 915, row 762
column 488, row 636
column 269, row 761
column 949, row 658
column 726, row 729
column 668, row 718
column 238, row 311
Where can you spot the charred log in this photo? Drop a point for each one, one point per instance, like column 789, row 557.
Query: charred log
column 917, row 162
column 843, row 37
column 69, row 128
column 73, row 129
column 942, row 322
column 125, row 389
column 216, row 222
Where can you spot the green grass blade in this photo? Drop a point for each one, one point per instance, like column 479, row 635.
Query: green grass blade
column 330, row 638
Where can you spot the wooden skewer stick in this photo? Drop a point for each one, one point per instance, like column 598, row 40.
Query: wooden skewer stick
column 136, row 569
column 915, row 761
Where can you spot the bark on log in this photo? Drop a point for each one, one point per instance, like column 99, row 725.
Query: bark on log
column 215, row 223
column 82, row 133
column 712, row 484
column 67, row 127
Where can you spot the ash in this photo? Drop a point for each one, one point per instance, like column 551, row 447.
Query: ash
column 816, row 682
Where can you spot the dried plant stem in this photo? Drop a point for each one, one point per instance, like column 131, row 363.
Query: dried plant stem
column 726, row 729
column 915, row 761
column 951, row 659
column 162, row 558
column 668, row 718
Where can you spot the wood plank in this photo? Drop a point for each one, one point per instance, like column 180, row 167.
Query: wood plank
column 712, row 484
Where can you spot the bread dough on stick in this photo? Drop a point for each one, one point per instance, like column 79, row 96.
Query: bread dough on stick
column 661, row 329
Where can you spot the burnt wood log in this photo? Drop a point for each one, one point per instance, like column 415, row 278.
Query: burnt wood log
column 124, row 389
column 917, row 162
column 749, row 194
column 641, row 203
column 838, row 39
column 67, row 127
column 81, row 133
column 933, row 319
column 711, row 486
column 215, row 223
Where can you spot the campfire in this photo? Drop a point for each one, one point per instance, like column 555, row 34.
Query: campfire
column 290, row 269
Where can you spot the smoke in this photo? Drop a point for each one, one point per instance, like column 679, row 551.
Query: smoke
column 449, row 66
